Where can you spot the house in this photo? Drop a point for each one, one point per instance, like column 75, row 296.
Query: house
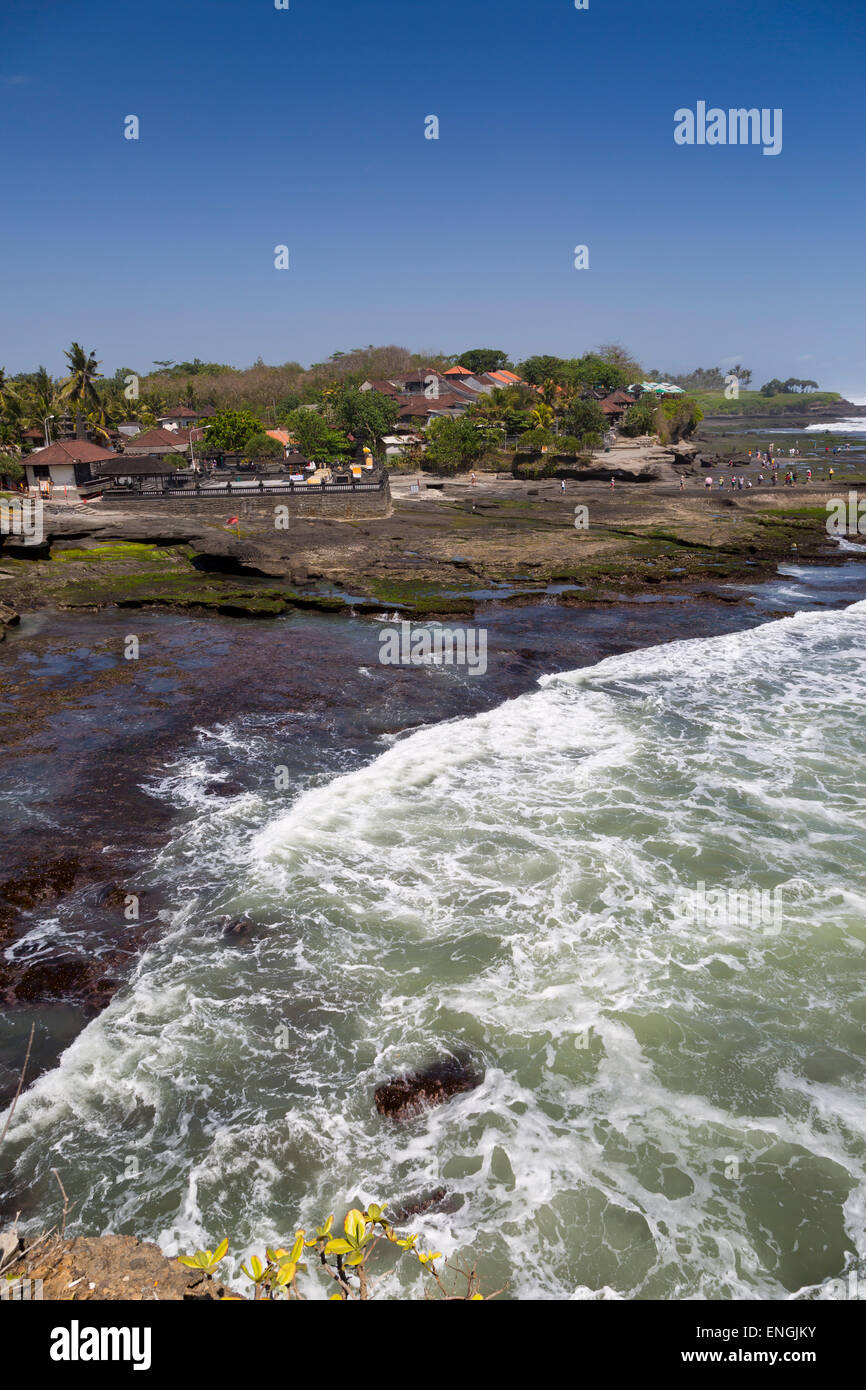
column 182, row 417
column 66, row 463
column 385, row 388
column 158, row 441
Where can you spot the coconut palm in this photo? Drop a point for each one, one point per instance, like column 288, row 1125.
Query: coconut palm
column 9, row 402
column 79, row 387
column 542, row 416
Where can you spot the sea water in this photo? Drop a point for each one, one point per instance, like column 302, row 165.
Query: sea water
column 673, row 1104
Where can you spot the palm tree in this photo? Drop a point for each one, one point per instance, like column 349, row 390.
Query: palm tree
column 542, row 416
column 79, row 387
column 9, row 402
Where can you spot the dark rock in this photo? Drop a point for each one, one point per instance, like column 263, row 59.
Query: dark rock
column 407, row 1096
column 236, row 928
column 8, row 616
column 440, row 1200
column 41, row 883
column 224, row 789
column 87, row 982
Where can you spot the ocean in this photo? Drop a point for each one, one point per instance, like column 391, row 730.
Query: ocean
column 673, row 1101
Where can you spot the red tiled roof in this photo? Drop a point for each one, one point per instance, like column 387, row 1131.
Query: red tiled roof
column 458, row 371
column 385, row 388
column 158, row 439
column 180, row 412
column 71, row 451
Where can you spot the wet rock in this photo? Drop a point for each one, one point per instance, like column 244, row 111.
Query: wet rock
column 235, row 928
column 8, row 616
column 406, row 1096
column 86, row 982
column 224, row 789
column 114, row 897
column 41, row 883
column 439, row 1200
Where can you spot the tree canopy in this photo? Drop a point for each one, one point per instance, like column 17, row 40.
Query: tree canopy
column 483, row 359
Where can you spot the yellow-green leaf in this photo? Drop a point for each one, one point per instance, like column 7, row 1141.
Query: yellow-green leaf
column 338, row 1247
column 286, row 1274
column 298, row 1247
column 355, row 1225
column 221, row 1251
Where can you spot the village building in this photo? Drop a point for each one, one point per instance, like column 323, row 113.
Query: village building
column 183, row 417
column 158, row 441
column 66, row 463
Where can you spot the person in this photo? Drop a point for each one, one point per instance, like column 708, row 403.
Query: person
column 808, row 475
column 831, row 475
column 612, row 483
column 561, row 484
column 708, row 482
column 682, row 484
column 760, row 477
column 472, row 479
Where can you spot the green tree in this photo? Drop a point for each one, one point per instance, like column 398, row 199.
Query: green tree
column 773, row 388
column 537, row 370
column 483, row 360
column 229, row 431
column 316, row 439
column 453, row 445
column 585, row 417
column 680, row 416
column 534, row 440
column 79, row 387
column 263, row 446
column 368, row 415
column 595, row 371
column 620, row 357
column 642, row 417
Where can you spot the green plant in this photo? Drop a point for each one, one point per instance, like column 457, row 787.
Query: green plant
column 206, row 1260
column 343, row 1258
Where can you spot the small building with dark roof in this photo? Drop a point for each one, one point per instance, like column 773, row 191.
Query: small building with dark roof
column 66, row 463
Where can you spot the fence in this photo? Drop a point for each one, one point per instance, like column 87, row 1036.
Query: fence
column 169, row 487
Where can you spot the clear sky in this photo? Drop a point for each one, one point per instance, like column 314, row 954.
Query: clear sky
column 306, row 127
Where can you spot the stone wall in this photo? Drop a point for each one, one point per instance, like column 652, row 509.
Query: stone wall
column 337, row 506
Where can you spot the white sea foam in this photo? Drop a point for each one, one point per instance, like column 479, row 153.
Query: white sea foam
column 667, row 1110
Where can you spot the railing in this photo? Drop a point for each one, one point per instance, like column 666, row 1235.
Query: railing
column 169, row 488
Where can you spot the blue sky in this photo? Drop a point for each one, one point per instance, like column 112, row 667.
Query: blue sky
column 305, row 127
